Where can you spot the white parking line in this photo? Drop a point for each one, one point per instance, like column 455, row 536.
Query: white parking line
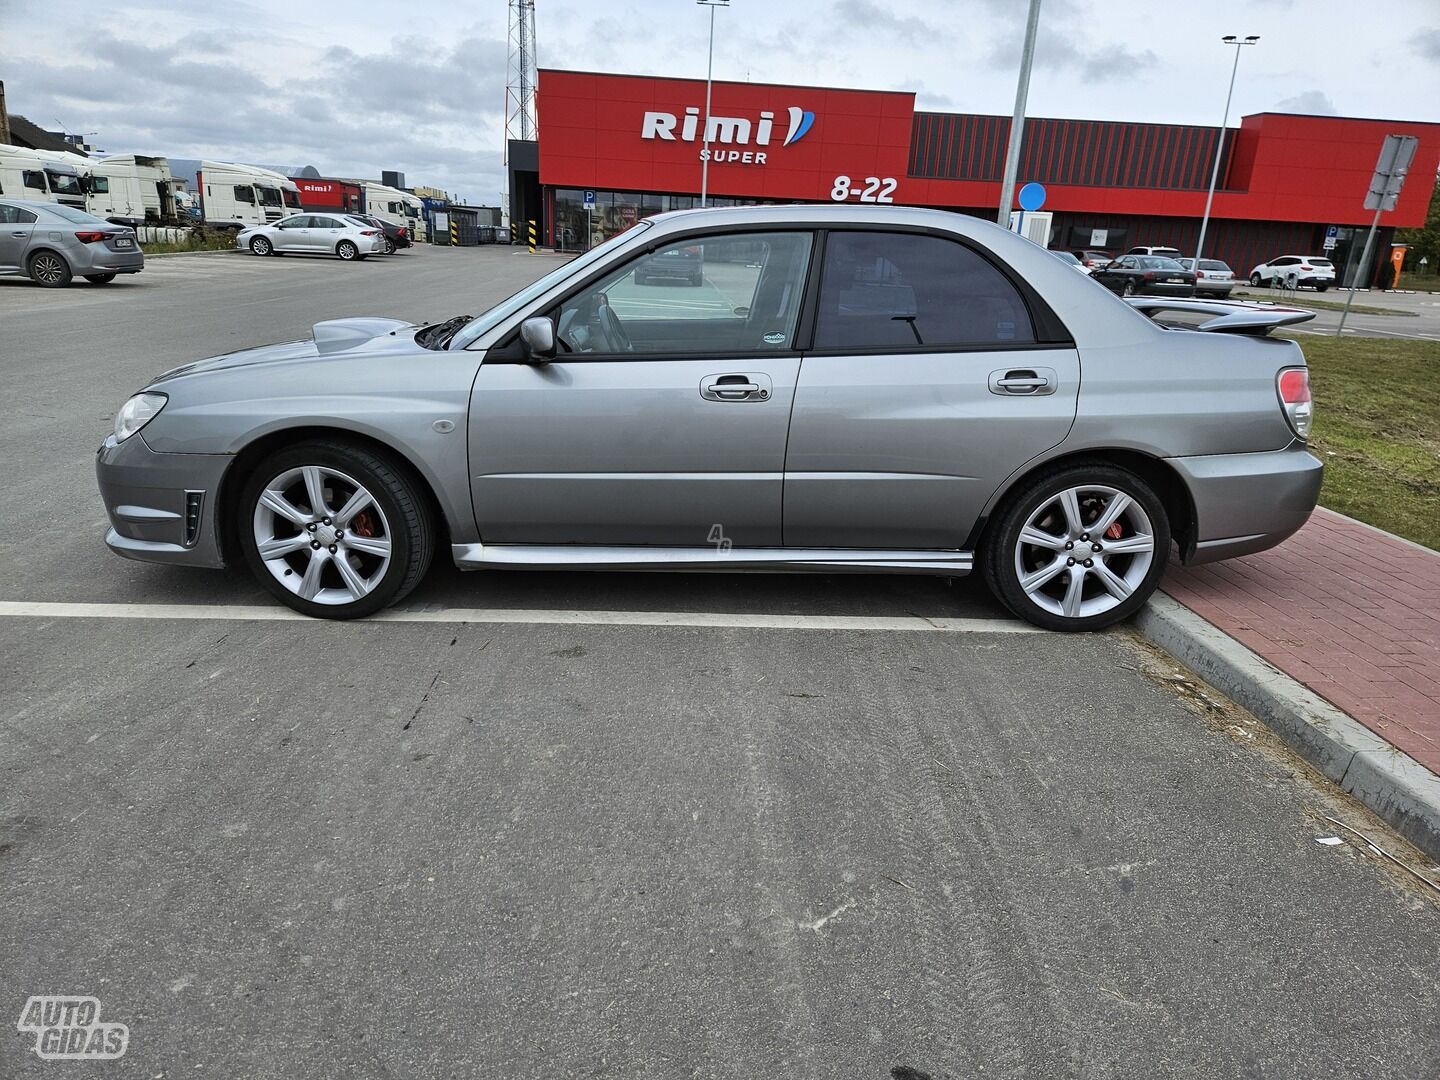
column 525, row 616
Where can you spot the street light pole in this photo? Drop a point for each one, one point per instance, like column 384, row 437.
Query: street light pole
column 705, row 131
column 1017, row 122
column 1228, row 39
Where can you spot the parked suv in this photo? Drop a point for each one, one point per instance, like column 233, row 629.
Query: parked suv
column 52, row 244
column 1314, row 270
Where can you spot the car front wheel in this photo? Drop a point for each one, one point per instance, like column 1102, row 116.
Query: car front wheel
column 1079, row 549
column 100, row 279
column 1254, row 279
column 335, row 530
column 261, row 246
column 1128, row 289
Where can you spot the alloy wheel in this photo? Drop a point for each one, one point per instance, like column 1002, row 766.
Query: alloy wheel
column 47, row 268
column 260, row 246
column 1084, row 550
column 322, row 535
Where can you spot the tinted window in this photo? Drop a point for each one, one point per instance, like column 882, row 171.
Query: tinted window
column 732, row 293
column 885, row 290
column 1211, row 264
column 33, row 178
column 245, row 193
column 1156, row 262
column 14, row 215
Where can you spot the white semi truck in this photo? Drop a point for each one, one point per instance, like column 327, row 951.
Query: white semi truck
column 134, row 189
column 397, row 207
column 233, row 196
column 43, row 175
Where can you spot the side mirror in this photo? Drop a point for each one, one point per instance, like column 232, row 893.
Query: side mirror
column 537, row 335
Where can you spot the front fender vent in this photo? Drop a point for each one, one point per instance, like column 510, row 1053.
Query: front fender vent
column 194, row 506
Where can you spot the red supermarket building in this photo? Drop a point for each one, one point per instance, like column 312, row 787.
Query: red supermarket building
column 634, row 141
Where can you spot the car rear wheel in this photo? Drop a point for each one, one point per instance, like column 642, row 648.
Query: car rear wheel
column 1079, row 549
column 50, row 270
column 100, row 279
column 389, row 246
column 260, row 245
column 347, row 250
column 335, row 530
column 1128, row 289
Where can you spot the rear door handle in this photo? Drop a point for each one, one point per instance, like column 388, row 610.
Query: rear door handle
column 1023, row 382
column 736, row 386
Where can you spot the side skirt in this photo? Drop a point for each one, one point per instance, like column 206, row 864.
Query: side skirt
column 702, row 559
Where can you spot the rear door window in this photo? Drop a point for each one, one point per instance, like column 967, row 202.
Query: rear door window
column 908, row 290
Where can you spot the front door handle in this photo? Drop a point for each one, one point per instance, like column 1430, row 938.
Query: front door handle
column 1023, row 382
column 736, row 386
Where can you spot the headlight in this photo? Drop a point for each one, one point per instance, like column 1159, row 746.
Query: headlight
column 136, row 413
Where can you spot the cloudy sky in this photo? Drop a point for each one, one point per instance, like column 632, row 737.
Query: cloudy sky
column 366, row 85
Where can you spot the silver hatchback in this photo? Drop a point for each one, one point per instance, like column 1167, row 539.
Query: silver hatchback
column 53, row 244
column 846, row 389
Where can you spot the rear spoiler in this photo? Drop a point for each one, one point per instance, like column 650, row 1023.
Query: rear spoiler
column 1228, row 316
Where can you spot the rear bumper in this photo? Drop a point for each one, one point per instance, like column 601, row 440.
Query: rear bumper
column 148, row 497
column 104, row 261
column 1248, row 502
column 1214, row 288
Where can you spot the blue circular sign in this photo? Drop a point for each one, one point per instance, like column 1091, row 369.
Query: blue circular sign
column 1032, row 197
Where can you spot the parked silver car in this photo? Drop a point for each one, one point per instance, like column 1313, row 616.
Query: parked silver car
column 347, row 237
column 1212, row 277
column 53, row 244
column 863, row 389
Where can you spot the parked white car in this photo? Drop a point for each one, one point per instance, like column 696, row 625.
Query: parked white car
column 1314, row 270
column 314, row 234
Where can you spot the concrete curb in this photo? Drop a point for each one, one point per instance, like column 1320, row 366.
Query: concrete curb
column 1389, row 782
column 187, row 254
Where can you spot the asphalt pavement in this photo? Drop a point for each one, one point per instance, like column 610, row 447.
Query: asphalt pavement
column 546, row 836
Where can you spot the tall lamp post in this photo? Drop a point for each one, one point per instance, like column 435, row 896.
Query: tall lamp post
column 1017, row 122
column 705, row 131
column 1228, row 39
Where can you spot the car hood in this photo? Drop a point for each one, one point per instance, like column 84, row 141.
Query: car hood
column 335, row 336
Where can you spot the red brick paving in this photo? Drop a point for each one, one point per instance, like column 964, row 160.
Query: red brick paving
column 1352, row 613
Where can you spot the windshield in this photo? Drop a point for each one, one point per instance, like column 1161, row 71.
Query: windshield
column 63, row 183
column 77, row 217
column 292, row 199
column 514, row 303
column 268, row 195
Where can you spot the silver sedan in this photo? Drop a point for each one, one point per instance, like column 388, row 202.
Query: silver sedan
column 314, row 234
column 847, row 389
column 53, row 244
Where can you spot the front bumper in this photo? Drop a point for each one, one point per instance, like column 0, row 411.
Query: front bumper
column 162, row 507
column 1248, row 502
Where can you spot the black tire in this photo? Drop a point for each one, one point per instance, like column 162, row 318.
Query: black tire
column 1128, row 289
column 389, row 246
column 399, row 496
column 1255, row 280
column 261, row 245
column 49, row 270
column 998, row 555
column 347, row 250
column 1321, row 288
column 100, row 279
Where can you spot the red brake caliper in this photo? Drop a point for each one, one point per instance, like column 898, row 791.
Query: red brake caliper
column 1114, row 532
column 361, row 525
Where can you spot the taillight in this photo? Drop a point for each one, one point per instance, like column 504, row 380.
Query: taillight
column 91, row 237
column 368, row 232
column 1149, row 275
column 401, row 232
column 1199, row 274
column 1294, row 387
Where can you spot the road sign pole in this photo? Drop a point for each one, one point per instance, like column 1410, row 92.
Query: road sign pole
column 1017, row 122
column 1361, row 269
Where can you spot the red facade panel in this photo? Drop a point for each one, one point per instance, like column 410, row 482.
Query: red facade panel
column 632, row 133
